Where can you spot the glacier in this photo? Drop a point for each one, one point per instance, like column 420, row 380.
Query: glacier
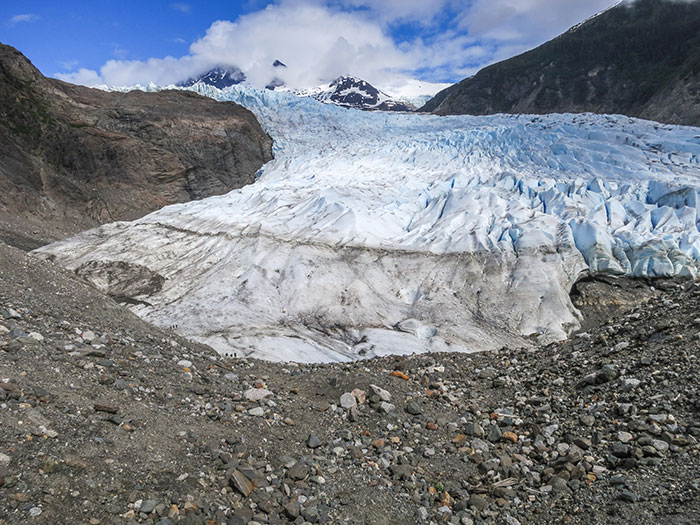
column 392, row 233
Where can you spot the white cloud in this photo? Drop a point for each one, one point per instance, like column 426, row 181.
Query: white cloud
column 27, row 17
column 317, row 43
column 526, row 21
column 393, row 11
column 322, row 39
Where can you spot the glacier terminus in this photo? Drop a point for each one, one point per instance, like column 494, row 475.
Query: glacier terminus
column 376, row 233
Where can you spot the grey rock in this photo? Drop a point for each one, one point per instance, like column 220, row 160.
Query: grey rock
column 628, row 496
column 494, row 433
column 148, row 505
column 413, row 408
column 256, row 394
column 384, row 395
column 348, row 401
column 385, row 407
column 313, row 441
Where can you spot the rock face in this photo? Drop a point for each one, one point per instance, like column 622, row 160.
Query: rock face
column 72, row 157
column 639, row 59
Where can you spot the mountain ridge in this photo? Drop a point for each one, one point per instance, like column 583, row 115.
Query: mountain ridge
column 638, row 59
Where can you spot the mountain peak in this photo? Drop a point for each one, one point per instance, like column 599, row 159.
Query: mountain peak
column 219, row 77
column 353, row 92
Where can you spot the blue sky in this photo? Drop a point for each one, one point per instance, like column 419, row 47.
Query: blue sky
column 393, row 43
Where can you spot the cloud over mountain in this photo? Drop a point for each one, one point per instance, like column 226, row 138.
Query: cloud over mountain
column 390, row 43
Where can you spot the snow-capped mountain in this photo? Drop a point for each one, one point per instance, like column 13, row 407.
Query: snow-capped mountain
column 218, row 77
column 373, row 233
column 353, row 92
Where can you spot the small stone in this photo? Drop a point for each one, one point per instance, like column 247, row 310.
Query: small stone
column 12, row 314
column 360, row 395
column 630, row 384
column 624, row 437
column 38, row 338
column 628, row 496
column 478, row 502
column 474, row 429
column 4, row 459
column 510, row 436
column 291, row 509
column 660, row 445
column 583, row 443
column 89, row 336
column 588, row 421
column 560, row 485
column 384, row 395
column 256, row 394
column 99, row 407
column 413, row 408
column 386, row 407
column 148, row 505
column 257, row 411
column 241, row 483
column 348, row 401
column 184, row 363
column 35, row 511
column 16, row 333
column 313, row 441
column 480, row 444
column 494, row 433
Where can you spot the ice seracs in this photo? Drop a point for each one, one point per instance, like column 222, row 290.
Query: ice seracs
column 374, row 232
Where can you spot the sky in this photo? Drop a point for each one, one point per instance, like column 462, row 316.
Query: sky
column 406, row 47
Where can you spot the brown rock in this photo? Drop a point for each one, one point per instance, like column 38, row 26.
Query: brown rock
column 72, row 158
column 510, row 436
column 241, row 483
column 99, row 407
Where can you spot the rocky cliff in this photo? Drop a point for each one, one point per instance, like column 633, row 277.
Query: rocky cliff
column 73, row 157
column 640, row 59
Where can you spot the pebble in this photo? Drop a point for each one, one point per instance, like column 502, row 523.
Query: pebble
column 384, row 395
column 385, row 407
column 360, row 395
column 257, row 411
column 240, row 482
column 256, row 394
column 313, row 441
column 630, row 384
column 148, row 505
column 413, row 408
column 624, row 437
column 628, row 496
column 348, row 400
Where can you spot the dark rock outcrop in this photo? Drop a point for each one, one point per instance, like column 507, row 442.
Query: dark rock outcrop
column 72, row 157
column 640, row 59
